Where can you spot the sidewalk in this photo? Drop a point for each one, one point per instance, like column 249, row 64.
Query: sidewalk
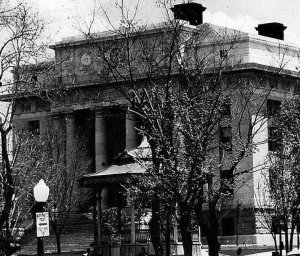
column 55, row 254
column 249, row 251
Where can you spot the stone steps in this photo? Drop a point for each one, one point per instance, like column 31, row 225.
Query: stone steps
column 77, row 235
column 71, row 242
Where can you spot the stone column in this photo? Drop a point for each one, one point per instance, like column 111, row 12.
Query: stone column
column 175, row 234
column 43, row 125
column 199, row 235
column 99, row 211
column 132, row 226
column 56, row 122
column 131, row 132
column 100, row 141
column 59, row 138
column 70, row 139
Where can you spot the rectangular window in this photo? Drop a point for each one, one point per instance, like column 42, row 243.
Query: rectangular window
column 226, row 108
column 34, row 127
column 227, row 181
column 41, row 105
column 227, row 174
column 228, row 226
column 59, row 80
column 25, row 106
column 296, row 88
column 226, row 138
column 274, row 83
column 273, row 107
column 223, row 53
column 274, row 139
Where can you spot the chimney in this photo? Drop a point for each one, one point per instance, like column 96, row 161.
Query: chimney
column 191, row 12
column 273, row 30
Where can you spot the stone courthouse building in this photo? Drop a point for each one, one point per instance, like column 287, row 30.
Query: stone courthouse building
column 94, row 107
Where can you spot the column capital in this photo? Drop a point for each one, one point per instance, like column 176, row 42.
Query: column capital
column 69, row 114
column 130, row 115
column 100, row 112
column 57, row 116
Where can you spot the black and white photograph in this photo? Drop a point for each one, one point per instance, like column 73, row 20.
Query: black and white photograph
column 149, row 127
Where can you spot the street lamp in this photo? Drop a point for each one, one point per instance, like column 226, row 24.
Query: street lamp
column 41, row 193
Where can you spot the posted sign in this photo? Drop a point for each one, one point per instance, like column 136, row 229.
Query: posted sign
column 42, row 224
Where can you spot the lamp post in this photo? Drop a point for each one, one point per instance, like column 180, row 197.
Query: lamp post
column 41, row 193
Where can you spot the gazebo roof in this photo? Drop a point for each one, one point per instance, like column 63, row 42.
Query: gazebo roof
column 127, row 164
column 113, row 174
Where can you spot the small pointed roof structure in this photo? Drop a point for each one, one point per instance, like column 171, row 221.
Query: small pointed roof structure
column 143, row 151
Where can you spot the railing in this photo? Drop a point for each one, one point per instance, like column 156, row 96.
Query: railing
column 126, row 237
column 143, row 236
column 195, row 236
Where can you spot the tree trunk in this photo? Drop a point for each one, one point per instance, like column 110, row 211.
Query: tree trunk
column 154, row 226
column 8, row 179
column 275, row 242
column 186, row 231
column 7, row 239
column 292, row 236
column 8, row 189
column 7, row 248
column 209, row 225
column 185, row 226
column 213, row 243
column 286, row 238
column 212, row 231
column 168, row 236
column 58, row 242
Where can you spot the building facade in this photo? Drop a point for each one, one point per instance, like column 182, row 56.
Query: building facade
column 93, row 107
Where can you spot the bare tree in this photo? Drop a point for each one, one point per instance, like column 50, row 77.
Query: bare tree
column 201, row 120
column 61, row 177
column 19, row 45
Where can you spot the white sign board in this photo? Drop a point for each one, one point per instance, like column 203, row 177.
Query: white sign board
column 42, row 224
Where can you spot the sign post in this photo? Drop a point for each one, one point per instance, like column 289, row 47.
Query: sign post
column 42, row 224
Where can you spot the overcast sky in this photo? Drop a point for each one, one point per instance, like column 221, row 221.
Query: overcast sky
column 67, row 17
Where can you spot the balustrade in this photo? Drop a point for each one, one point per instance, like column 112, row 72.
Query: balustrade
column 143, row 236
